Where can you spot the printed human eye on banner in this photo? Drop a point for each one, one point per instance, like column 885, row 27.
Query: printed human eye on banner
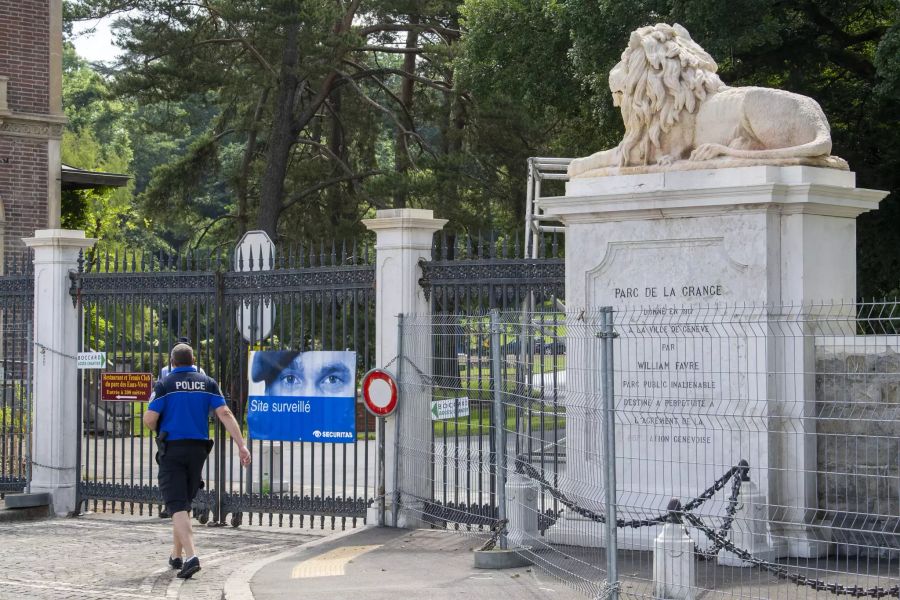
column 302, row 396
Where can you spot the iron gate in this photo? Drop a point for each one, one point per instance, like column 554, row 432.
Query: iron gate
column 135, row 307
column 467, row 276
column 16, row 357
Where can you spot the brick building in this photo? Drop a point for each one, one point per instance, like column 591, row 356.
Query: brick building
column 31, row 118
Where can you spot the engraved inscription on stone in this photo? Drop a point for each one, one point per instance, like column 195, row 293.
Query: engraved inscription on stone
column 686, row 402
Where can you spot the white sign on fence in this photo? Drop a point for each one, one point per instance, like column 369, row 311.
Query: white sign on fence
column 255, row 252
column 91, row 360
column 449, row 408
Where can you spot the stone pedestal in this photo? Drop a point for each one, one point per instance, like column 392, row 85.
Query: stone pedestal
column 674, row 576
column 404, row 238
column 522, row 511
column 700, row 266
column 749, row 529
column 55, row 422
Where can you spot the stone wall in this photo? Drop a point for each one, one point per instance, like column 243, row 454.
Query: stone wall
column 23, row 188
column 858, row 442
column 25, row 54
column 31, row 118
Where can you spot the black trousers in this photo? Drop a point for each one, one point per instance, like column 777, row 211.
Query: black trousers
column 181, row 473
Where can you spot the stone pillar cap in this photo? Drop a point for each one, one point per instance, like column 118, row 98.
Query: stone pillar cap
column 59, row 237
column 413, row 218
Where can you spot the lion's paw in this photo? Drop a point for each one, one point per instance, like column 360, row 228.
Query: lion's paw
column 576, row 167
column 708, row 151
column 665, row 160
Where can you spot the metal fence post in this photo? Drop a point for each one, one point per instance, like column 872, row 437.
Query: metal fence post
column 219, row 432
column 395, row 509
column 29, row 408
column 382, row 501
column 607, row 336
column 79, row 378
column 79, row 395
column 499, row 424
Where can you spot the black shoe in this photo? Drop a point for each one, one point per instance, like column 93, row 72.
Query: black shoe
column 190, row 567
column 176, row 563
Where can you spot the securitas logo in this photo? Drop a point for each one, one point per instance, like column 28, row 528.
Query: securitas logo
column 333, row 434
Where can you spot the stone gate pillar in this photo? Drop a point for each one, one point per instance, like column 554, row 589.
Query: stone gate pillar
column 699, row 383
column 55, row 424
column 404, row 238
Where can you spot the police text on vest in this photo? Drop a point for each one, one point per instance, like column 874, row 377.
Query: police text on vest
column 191, row 386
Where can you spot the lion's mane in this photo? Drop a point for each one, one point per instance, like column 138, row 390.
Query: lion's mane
column 666, row 73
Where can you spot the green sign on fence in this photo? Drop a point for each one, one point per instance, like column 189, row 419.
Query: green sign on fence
column 91, row 360
column 449, row 408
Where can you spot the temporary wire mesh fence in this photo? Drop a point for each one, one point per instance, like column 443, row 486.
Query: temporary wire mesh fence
column 757, row 450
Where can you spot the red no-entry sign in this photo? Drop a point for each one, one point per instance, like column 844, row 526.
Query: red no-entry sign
column 379, row 392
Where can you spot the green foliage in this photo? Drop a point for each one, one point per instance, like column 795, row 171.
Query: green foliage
column 12, row 422
column 843, row 53
column 96, row 139
column 208, row 82
column 210, row 98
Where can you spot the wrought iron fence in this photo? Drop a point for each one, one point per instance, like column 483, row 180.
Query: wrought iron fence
column 755, row 449
column 468, row 275
column 16, row 358
column 451, row 398
column 472, row 274
column 135, row 308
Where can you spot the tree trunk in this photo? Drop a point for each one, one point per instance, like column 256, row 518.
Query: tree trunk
column 335, row 196
column 281, row 136
column 244, row 175
column 407, row 88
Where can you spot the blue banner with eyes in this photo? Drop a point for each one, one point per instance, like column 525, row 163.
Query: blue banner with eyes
column 302, row 396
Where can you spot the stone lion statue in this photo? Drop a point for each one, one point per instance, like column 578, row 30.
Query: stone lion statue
column 679, row 115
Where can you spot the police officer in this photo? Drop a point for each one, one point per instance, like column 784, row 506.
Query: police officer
column 179, row 413
column 164, row 372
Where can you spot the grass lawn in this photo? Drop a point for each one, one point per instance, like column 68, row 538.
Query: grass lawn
column 475, row 378
column 478, row 422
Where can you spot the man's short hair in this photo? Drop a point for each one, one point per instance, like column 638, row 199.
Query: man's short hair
column 182, row 356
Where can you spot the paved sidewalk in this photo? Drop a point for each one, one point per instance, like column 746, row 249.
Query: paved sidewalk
column 386, row 564
column 114, row 557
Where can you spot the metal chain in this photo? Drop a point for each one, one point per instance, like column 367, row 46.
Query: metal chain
column 782, row 572
column 526, row 469
column 740, row 470
column 496, row 531
column 730, row 512
column 37, row 464
column 426, row 378
column 606, row 590
column 44, row 349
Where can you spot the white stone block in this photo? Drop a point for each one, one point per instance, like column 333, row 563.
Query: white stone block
column 674, row 576
column 522, row 511
column 749, row 531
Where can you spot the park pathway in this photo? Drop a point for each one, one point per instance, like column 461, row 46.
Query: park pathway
column 115, row 557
